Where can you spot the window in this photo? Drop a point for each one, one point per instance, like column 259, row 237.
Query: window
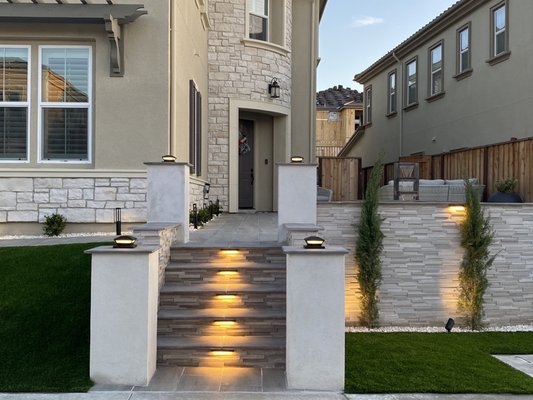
column 499, row 31
column 368, row 106
column 65, row 103
column 411, row 76
column 14, row 103
column 436, row 66
column 195, row 129
column 258, row 19
column 391, row 108
column 463, row 49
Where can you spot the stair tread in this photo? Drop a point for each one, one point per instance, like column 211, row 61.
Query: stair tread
column 222, row 288
column 221, row 313
column 209, row 342
column 176, row 266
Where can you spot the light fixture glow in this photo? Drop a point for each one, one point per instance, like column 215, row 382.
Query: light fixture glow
column 457, row 209
column 228, row 272
column 225, row 323
column 229, row 252
column 169, row 158
column 314, row 242
column 125, row 242
column 227, row 297
column 273, row 89
column 221, row 352
column 297, row 159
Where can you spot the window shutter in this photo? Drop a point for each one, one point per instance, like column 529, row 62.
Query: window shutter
column 199, row 134
column 192, row 126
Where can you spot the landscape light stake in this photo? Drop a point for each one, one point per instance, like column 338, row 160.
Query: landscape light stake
column 118, row 221
column 195, row 215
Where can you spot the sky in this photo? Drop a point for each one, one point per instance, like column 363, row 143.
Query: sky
column 356, row 33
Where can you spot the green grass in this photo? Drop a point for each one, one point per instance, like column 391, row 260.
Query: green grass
column 44, row 318
column 435, row 363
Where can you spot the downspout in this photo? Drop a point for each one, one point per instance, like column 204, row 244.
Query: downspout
column 171, row 80
column 401, row 100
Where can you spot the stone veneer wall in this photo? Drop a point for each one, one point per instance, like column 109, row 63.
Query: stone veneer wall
column 87, row 200
column 421, row 260
column 241, row 72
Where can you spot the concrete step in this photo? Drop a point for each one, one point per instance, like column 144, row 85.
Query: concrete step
column 241, row 351
column 203, row 255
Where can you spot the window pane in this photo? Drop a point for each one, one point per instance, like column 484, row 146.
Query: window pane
column 13, row 127
column 436, row 56
column 500, row 43
column 258, row 7
column 65, row 133
column 65, row 75
column 258, row 27
column 463, row 39
column 499, row 18
column 412, row 94
column 393, row 103
column 392, row 82
column 464, row 61
column 436, row 84
column 13, row 74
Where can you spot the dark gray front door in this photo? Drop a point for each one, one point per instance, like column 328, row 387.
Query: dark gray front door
column 246, row 164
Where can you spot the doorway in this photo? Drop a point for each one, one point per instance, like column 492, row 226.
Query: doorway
column 246, row 164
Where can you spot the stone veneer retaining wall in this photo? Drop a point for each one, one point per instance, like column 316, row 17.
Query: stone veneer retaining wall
column 421, row 260
column 238, row 71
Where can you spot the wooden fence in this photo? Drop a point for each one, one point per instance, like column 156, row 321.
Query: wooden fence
column 489, row 164
column 342, row 176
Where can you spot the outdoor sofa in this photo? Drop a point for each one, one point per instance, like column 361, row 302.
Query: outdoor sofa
column 432, row 190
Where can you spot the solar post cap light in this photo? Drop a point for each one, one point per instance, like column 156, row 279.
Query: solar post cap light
column 297, row 159
column 169, row 158
column 314, row 242
column 125, row 242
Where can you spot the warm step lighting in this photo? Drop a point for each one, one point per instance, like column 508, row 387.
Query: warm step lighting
column 227, row 297
column 225, row 323
column 457, row 209
column 221, row 352
column 229, row 252
column 228, row 272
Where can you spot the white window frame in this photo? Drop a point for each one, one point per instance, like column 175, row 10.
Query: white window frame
column 42, row 104
column 460, row 51
column 433, row 72
column 266, row 17
column 26, row 104
column 392, row 91
column 496, row 32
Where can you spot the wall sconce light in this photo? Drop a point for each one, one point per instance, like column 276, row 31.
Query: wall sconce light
column 169, row 158
column 449, row 325
column 314, row 242
column 297, row 159
column 273, row 89
column 125, row 242
column 207, row 187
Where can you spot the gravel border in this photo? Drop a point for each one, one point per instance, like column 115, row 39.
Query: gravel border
column 439, row 329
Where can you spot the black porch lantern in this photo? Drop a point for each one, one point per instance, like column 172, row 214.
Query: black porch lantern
column 273, row 89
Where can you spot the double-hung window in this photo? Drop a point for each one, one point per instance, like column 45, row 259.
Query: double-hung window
column 463, row 49
column 391, row 91
column 411, row 78
column 368, row 106
column 258, row 19
column 499, row 30
column 14, row 102
column 65, row 103
column 436, row 67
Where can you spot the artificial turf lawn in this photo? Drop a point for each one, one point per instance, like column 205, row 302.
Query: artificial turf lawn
column 435, row 363
column 44, row 318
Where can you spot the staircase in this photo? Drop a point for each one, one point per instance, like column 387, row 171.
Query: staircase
column 223, row 308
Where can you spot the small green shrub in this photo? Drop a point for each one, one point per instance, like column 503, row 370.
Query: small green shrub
column 507, row 185
column 54, row 224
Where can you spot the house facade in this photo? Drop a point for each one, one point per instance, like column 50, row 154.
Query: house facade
column 461, row 81
column 92, row 90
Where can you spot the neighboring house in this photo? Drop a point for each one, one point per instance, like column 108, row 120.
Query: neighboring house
column 91, row 90
column 338, row 115
column 463, row 80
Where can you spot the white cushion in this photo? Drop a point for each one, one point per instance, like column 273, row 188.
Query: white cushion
column 430, row 182
column 455, row 182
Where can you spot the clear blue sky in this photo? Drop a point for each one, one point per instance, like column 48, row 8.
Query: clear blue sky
column 356, row 33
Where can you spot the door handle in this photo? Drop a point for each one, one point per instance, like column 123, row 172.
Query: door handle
column 252, row 176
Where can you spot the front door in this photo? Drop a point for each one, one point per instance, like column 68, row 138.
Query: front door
column 246, row 164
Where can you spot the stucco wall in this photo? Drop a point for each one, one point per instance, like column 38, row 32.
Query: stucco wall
column 421, row 260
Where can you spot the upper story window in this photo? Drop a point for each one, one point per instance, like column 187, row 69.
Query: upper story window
column 368, row 106
column 258, row 11
column 391, row 91
column 65, row 103
column 463, row 49
column 411, row 79
column 436, row 67
column 14, row 102
column 499, row 30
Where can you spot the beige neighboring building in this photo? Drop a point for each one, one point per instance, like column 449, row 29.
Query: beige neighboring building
column 92, row 91
column 338, row 116
column 463, row 80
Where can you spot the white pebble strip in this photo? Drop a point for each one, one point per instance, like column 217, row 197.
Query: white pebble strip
column 439, row 329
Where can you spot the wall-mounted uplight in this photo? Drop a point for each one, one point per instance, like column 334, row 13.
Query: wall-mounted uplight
column 314, row 242
column 125, row 242
column 297, row 159
column 273, row 89
column 169, row 158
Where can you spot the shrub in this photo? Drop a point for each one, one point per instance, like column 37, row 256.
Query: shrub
column 507, row 185
column 476, row 237
column 54, row 224
column 368, row 250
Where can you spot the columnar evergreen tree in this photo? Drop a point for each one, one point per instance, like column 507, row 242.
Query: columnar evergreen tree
column 476, row 237
column 368, row 250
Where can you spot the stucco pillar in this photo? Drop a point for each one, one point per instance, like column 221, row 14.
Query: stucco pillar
column 297, row 196
column 168, row 195
column 315, row 318
column 124, row 295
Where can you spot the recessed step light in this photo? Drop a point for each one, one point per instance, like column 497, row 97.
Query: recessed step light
column 228, row 272
column 222, row 352
column 226, row 297
column 229, row 252
column 225, row 323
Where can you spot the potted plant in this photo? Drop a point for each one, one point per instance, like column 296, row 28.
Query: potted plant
column 506, row 192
